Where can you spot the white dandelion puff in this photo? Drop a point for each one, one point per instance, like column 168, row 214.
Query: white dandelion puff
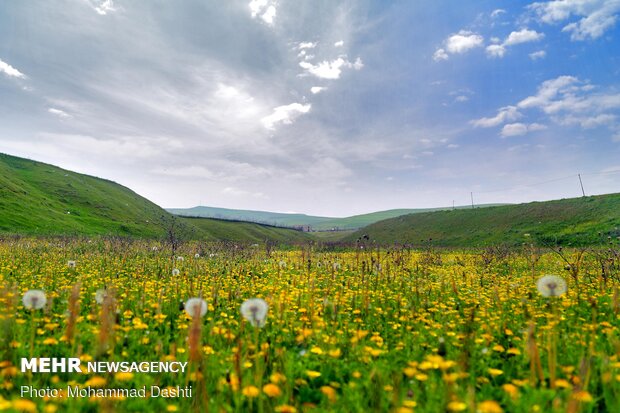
column 196, row 255
column 282, row 264
column 100, row 295
column 551, row 286
column 255, row 311
column 34, row 299
column 71, row 264
column 175, row 272
column 196, row 304
column 154, row 249
column 180, row 259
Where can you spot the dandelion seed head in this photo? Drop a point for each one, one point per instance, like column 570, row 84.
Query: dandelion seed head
column 71, row 264
column 551, row 286
column 100, row 295
column 196, row 255
column 255, row 311
column 34, row 299
column 180, row 259
column 196, row 304
column 175, row 272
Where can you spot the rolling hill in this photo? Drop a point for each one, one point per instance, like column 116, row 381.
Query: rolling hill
column 41, row 199
column 317, row 223
column 575, row 221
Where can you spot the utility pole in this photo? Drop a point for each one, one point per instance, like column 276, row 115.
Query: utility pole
column 581, row 183
column 471, row 194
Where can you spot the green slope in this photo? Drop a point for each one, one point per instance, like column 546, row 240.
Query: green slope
column 290, row 220
column 41, row 199
column 216, row 229
column 576, row 221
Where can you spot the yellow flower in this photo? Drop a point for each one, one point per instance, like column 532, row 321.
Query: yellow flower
column 563, row 384
column 582, row 396
column 409, row 371
column 95, row 381
column 312, row 374
column 335, row 353
column 172, row 408
column 123, row 376
column 272, row 390
column 511, row 389
column 456, row 406
column 50, row 341
column 489, row 406
column 24, row 405
column 277, row 378
column 250, row 391
column 329, row 392
column 404, row 410
column 316, row 350
column 356, row 374
column 495, row 372
column 285, row 408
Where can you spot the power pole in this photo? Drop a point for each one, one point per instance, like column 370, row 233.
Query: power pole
column 472, row 199
column 581, row 183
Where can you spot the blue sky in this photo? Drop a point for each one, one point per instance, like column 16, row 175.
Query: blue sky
column 322, row 107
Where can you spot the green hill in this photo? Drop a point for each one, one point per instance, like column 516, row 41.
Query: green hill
column 41, row 199
column 576, row 221
column 317, row 223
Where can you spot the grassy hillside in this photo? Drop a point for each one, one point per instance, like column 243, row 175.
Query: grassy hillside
column 41, row 199
column 574, row 221
column 290, row 220
column 216, row 229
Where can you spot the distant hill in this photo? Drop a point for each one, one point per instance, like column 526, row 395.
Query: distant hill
column 317, row 223
column 41, row 199
column 575, row 221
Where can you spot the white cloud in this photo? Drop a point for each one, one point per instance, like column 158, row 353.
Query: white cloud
column 10, row 71
column 306, row 45
column 333, row 69
column 317, row 89
column 505, row 114
column 463, row 41
column 567, row 101
column 285, row 114
column 458, row 43
column 514, row 129
column 440, row 54
column 596, row 16
column 589, row 122
column 265, row 9
column 105, row 7
column 514, row 38
column 547, row 91
column 461, row 98
column 339, row 43
column 496, row 50
column 523, row 36
column 518, row 129
column 540, row 54
column 59, row 113
column 497, row 13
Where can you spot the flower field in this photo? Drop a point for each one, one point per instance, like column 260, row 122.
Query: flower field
column 371, row 330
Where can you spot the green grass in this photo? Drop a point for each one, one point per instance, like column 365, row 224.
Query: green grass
column 41, row 199
column 290, row 220
column 576, row 221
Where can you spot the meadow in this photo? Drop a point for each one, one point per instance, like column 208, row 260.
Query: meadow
column 367, row 329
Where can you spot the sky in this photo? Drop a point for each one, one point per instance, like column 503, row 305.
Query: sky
column 323, row 107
